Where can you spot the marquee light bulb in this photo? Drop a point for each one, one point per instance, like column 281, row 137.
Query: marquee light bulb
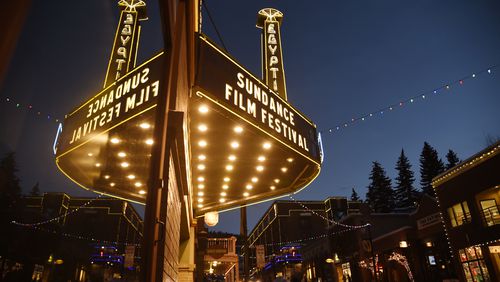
column 222, row 200
column 145, row 125
column 98, row 165
column 122, row 154
column 202, row 127
column 200, row 205
column 249, row 186
column 276, row 180
column 200, row 200
column 246, row 194
column 225, row 186
column 131, row 176
column 238, row 129
column 115, row 140
column 106, row 176
column 201, row 186
column 235, row 144
column 227, row 179
column 260, row 168
column 142, row 192
column 112, row 184
column 203, row 109
column 200, row 193
column 90, row 154
column 201, row 167
column 138, row 184
column 261, row 158
column 202, row 143
column 125, row 164
column 289, row 160
column 229, row 167
column 284, row 169
column 255, row 179
column 149, row 141
column 232, row 157
column 201, row 178
column 202, row 157
column 267, row 145
column 272, row 187
column 223, row 194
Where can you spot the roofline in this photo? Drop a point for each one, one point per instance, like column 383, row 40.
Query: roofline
column 467, row 164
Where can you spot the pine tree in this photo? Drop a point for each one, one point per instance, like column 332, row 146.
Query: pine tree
column 354, row 196
column 405, row 194
column 452, row 159
column 35, row 191
column 430, row 167
column 380, row 196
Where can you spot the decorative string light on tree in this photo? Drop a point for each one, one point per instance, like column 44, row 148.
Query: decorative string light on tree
column 401, row 259
column 30, row 108
column 57, row 218
column 411, row 100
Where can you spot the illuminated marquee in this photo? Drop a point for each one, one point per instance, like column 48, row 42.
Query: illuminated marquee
column 248, row 144
column 269, row 20
column 105, row 144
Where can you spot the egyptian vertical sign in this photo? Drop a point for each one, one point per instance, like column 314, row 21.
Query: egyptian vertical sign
column 269, row 20
column 124, row 52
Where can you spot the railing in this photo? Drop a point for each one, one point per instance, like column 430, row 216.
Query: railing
column 229, row 244
column 491, row 215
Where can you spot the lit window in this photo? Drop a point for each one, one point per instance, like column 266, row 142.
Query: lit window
column 459, row 214
column 489, row 211
column 473, row 264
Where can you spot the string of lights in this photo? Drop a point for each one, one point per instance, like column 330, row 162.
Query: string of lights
column 401, row 259
column 79, row 237
column 57, row 217
column 30, row 108
column 351, row 227
column 408, row 101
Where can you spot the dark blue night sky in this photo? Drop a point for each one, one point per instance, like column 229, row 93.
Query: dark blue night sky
column 343, row 59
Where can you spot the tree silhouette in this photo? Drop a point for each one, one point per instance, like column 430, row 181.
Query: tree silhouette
column 430, row 167
column 35, row 191
column 380, row 196
column 355, row 196
column 452, row 159
column 405, row 194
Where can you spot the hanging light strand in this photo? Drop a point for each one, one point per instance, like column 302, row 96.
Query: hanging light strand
column 352, row 227
column 30, row 108
column 57, row 218
column 411, row 100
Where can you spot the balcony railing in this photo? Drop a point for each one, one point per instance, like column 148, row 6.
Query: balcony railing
column 491, row 215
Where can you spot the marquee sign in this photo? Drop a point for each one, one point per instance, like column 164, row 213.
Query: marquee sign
column 248, row 144
column 224, row 81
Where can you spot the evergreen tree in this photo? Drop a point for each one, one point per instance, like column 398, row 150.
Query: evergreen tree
column 380, row 196
column 10, row 202
column 405, row 194
column 430, row 167
column 354, row 196
column 452, row 159
column 35, row 191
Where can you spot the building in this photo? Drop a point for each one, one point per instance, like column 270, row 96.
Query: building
column 404, row 246
column 78, row 238
column 468, row 195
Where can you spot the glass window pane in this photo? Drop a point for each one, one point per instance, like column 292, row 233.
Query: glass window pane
column 468, row 275
column 475, row 271
column 463, row 256
column 459, row 213
column 479, row 252
column 471, row 254
column 485, row 270
column 452, row 217
column 466, row 211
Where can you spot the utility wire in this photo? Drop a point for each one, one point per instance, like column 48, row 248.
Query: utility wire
column 214, row 25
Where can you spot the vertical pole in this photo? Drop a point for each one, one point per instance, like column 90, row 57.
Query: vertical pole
column 375, row 272
column 246, row 249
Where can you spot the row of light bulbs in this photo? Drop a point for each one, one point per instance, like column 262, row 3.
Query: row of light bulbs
column 203, row 109
column 124, row 164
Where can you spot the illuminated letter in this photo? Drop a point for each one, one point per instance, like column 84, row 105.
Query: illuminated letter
column 129, row 19
column 130, row 103
column 240, row 77
column 251, row 108
column 145, row 73
column 127, row 30
column 122, row 51
column 274, row 71
column 273, row 50
column 273, row 60
column 125, row 39
column 270, row 28
column 229, row 89
column 154, row 88
column 271, row 39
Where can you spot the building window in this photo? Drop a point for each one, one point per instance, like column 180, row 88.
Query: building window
column 489, row 211
column 459, row 214
column 473, row 264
